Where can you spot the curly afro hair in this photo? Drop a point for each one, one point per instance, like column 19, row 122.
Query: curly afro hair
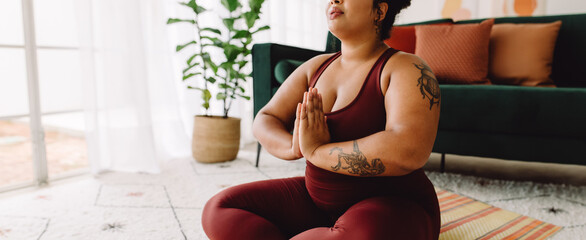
column 395, row 6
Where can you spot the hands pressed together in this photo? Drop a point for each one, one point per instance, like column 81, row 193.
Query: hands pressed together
column 311, row 130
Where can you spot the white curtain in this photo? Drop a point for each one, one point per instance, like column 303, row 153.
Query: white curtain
column 130, row 95
column 300, row 23
column 138, row 112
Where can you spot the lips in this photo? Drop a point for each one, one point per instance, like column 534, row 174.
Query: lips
column 334, row 12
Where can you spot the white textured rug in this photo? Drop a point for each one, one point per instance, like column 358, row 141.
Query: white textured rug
column 169, row 205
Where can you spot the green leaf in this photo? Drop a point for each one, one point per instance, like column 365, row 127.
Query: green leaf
column 214, row 40
column 193, row 5
column 265, row 27
column 241, row 89
column 241, row 34
column 191, row 58
column 176, row 20
column 211, row 80
column 244, row 96
column 205, row 95
column 242, row 76
column 229, row 23
column 208, row 63
column 221, row 96
column 224, row 86
column 255, row 5
column 234, row 75
column 250, row 18
column 248, row 41
column 185, row 77
column 189, row 67
column 231, row 52
column 231, row 5
column 226, row 66
column 179, row 47
column 242, row 63
column 213, row 30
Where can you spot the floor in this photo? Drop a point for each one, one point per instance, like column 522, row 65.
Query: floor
column 168, row 205
column 66, row 152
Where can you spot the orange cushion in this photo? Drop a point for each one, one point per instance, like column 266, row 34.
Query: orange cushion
column 457, row 54
column 522, row 54
column 403, row 37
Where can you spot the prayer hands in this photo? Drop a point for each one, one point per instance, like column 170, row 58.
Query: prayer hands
column 295, row 142
column 310, row 123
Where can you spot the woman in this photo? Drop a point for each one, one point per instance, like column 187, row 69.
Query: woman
column 365, row 119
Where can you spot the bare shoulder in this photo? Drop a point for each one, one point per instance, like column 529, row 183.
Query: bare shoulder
column 403, row 62
column 310, row 66
column 409, row 74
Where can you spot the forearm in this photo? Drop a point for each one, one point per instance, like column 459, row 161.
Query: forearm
column 273, row 136
column 385, row 153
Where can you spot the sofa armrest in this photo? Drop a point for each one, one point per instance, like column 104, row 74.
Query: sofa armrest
column 265, row 57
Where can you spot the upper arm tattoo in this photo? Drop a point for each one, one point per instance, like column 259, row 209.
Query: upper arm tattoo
column 428, row 85
column 357, row 163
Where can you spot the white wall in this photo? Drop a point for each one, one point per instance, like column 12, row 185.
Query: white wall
column 556, row 7
column 423, row 10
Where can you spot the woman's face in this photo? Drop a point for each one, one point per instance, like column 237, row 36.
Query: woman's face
column 350, row 16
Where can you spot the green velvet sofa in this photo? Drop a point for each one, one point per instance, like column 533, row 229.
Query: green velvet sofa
column 496, row 121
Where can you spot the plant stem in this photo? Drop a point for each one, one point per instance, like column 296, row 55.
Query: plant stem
column 205, row 81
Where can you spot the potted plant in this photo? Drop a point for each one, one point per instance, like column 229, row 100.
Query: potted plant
column 217, row 138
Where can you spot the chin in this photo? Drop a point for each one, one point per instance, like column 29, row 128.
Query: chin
column 335, row 30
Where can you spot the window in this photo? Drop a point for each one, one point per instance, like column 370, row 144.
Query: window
column 43, row 93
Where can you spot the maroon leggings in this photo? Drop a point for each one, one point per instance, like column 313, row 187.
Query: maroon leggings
column 283, row 209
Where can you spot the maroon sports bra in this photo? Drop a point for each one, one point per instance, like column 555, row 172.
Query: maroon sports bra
column 366, row 114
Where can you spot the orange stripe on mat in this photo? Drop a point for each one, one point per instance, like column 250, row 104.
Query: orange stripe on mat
column 541, row 231
column 524, row 230
column 452, row 196
column 457, row 203
column 461, row 221
column 503, row 228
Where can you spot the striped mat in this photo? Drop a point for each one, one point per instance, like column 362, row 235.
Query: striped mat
column 466, row 218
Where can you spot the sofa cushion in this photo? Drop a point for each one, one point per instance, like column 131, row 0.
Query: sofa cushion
column 522, row 54
column 457, row 54
column 528, row 111
column 403, row 37
column 568, row 59
column 284, row 68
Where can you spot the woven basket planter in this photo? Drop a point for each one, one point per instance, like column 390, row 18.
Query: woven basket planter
column 215, row 139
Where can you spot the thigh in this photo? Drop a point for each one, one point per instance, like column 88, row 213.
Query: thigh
column 262, row 210
column 378, row 218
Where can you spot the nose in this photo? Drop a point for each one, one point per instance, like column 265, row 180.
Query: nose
column 335, row 2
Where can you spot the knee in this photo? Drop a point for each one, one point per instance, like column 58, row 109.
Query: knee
column 385, row 217
column 213, row 210
column 210, row 209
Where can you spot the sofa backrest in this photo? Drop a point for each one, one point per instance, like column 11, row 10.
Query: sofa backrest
column 569, row 61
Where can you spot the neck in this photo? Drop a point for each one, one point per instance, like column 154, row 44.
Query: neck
column 360, row 51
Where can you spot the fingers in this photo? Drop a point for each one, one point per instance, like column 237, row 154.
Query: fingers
column 303, row 110
column 319, row 108
column 295, row 141
column 310, row 106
